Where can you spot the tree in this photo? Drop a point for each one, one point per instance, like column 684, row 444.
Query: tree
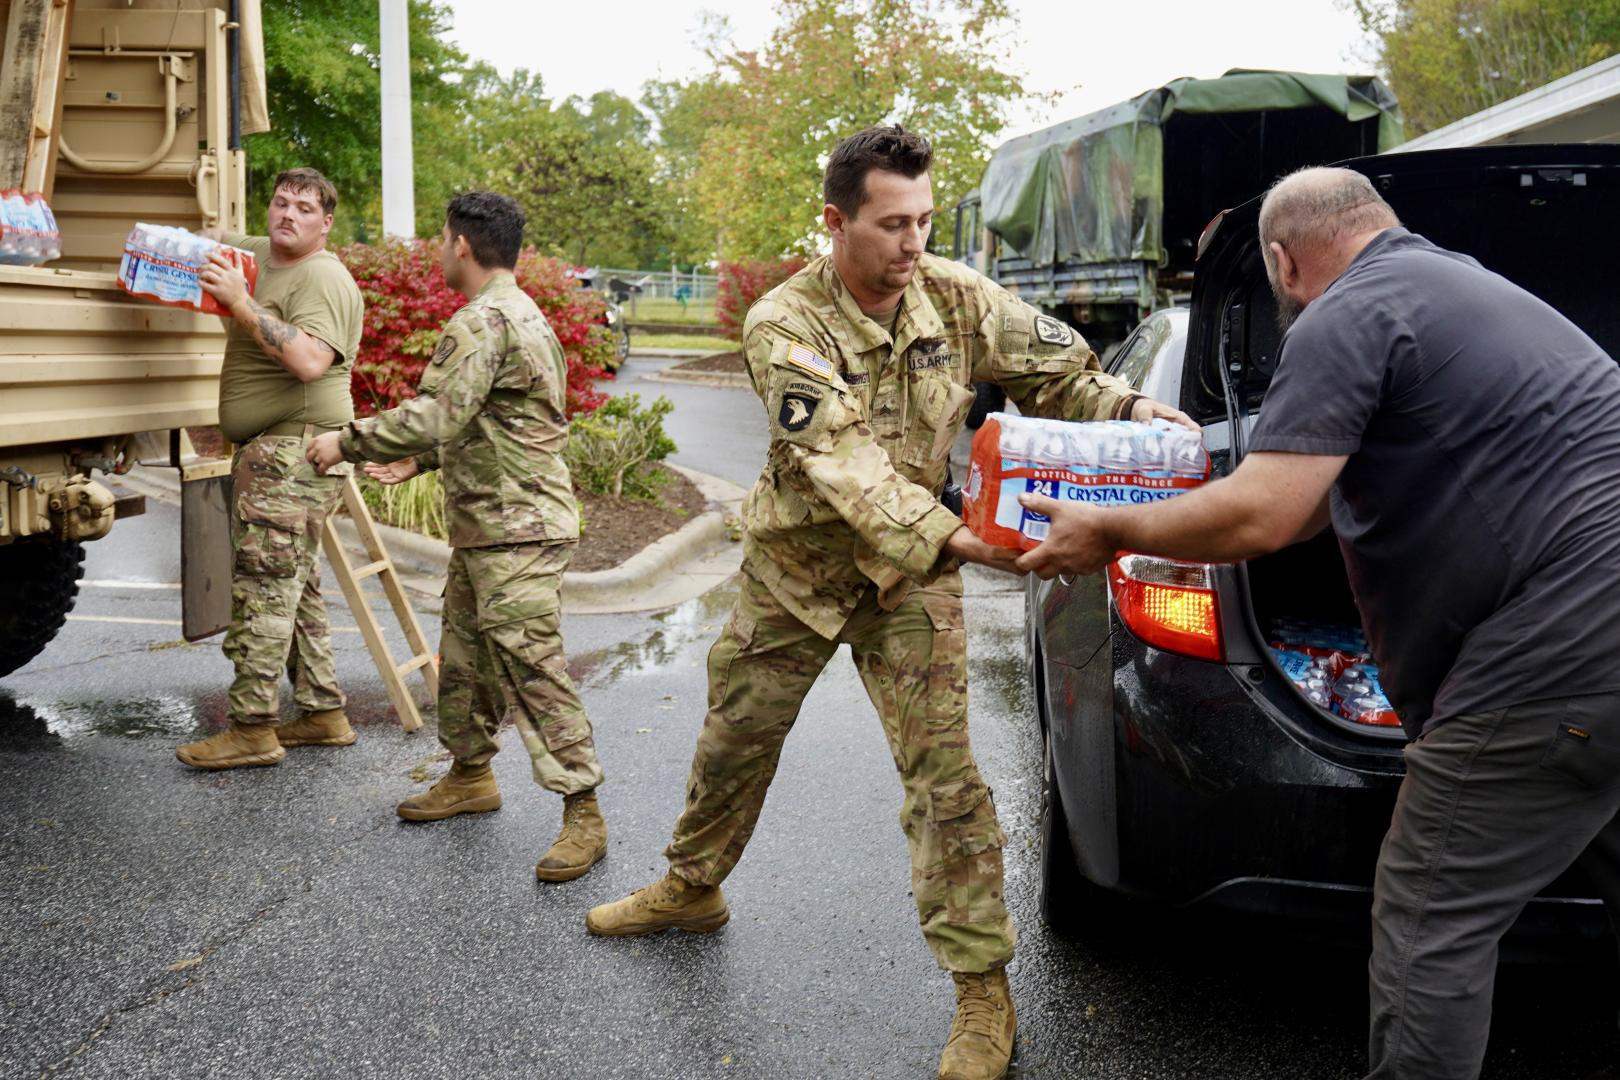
column 1446, row 59
column 585, row 177
column 745, row 145
column 322, row 69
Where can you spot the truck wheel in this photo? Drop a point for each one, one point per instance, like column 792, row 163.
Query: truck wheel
column 39, row 581
column 987, row 398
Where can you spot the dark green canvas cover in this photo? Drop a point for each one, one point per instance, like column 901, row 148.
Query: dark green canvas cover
column 1092, row 189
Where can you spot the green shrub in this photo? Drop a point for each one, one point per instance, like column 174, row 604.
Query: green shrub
column 417, row 505
column 610, row 451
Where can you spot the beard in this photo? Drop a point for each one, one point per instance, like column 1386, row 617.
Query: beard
column 1288, row 309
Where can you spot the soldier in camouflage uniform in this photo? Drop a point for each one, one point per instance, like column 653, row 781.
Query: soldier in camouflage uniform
column 489, row 415
column 289, row 352
column 865, row 361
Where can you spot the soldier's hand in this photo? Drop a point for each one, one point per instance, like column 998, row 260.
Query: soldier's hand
column 395, row 472
column 324, row 451
column 221, row 279
column 1146, row 409
column 963, row 545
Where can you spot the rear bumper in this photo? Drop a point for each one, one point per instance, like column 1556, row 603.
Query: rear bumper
column 1227, row 794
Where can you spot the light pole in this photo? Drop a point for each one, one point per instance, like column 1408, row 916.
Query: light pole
column 399, row 193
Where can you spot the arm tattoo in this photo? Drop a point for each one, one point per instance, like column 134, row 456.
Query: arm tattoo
column 274, row 334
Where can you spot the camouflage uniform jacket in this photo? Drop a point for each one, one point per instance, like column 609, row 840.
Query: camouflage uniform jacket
column 862, row 425
column 489, row 412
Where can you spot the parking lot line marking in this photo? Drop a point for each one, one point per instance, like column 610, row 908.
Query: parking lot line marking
column 170, row 622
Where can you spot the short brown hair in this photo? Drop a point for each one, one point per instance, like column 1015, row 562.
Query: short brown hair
column 299, row 181
column 892, row 149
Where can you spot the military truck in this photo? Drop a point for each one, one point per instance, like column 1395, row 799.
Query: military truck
column 1096, row 220
column 117, row 111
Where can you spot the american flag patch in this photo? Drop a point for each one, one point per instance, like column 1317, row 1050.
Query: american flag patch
column 807, row 359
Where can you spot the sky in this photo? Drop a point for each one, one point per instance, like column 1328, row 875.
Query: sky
column 1092, row 54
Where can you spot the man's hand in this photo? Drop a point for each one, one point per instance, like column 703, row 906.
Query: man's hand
column 1145, row 409
column 221, row 279
column 324, row 451
column 963, row 545
column 1080, row 540
column 395, row 472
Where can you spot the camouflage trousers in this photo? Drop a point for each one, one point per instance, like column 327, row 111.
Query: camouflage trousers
column 278, row 619
column 913, row 662
column 501, row 658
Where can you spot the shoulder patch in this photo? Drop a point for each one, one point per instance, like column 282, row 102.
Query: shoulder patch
column 447, row 345
column 1052, row 331
column 809, row 361
column 797, row 411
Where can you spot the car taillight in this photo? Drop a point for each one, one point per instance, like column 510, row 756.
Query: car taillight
column 1170, row 605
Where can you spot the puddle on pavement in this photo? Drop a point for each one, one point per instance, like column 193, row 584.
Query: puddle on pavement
column 135, row 718
column 697, row 621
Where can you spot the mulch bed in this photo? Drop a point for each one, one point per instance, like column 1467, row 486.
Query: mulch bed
column 615, row 528
column 726, row 361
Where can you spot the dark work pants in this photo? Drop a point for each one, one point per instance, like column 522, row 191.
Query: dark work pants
column 1493, row 808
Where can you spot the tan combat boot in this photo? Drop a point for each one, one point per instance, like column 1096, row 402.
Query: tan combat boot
column 237, row 746
column 580, row 845
column 981, row 1042
column 465, row 789
column 329, row 727
column 667, row 904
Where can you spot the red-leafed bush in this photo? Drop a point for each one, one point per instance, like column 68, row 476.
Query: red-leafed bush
column 741, row 283
column 408, row 303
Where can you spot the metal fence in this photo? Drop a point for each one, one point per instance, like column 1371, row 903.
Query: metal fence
column 663, row 294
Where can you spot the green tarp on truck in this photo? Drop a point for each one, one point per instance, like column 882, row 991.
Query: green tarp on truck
column 1094, row 189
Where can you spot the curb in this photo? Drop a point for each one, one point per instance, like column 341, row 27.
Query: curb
column 617, row 588
column 729, row 379
column 678, row 354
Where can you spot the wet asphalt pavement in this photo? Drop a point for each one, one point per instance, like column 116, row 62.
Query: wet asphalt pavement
column 161, row 922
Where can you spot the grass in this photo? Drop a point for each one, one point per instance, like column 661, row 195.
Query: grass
column 664, row 309
column 681, row 341
column 417, row 505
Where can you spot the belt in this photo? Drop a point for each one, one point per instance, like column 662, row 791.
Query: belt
column 294, row 429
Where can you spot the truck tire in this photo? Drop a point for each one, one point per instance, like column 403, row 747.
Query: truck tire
column 987, row 398
column 39, row 581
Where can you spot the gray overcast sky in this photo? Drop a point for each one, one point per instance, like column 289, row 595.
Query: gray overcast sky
column 1094, row 53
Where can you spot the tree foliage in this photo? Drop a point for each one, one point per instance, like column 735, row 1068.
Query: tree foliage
column 323, row 74
column 747, row 143
column 1446, row 59
column 586, row 177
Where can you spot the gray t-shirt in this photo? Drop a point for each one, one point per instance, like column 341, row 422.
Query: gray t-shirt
column 1479, row 510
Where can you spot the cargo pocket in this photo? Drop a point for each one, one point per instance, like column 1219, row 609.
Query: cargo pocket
column 947, row 663
column 276, row 627
column 938, row 405
column 1583, row 757
column 271, row 540
column 967, row 850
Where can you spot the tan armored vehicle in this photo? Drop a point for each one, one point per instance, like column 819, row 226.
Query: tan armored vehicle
column 117, row 111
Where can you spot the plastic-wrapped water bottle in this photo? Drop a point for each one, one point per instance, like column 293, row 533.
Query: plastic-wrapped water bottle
column 14, row 243
column 1116, row 449
column 50, row 233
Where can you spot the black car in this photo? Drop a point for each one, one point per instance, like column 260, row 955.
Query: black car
column 1182, row 764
